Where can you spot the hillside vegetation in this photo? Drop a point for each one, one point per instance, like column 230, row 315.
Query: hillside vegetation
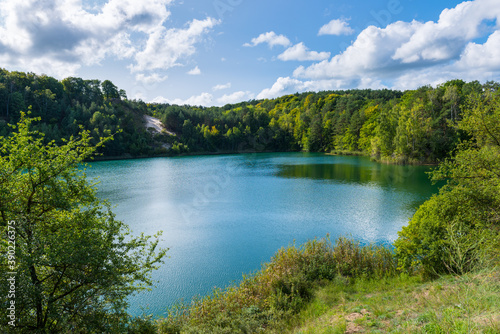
column 64, row 107
column 415, row 126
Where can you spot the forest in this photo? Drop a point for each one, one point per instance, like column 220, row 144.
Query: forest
column 414, row 126
column 65, row 106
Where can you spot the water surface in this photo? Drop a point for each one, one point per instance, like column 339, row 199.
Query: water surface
column 223, row 216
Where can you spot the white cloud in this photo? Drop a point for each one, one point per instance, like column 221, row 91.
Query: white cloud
column 483, row 57
column 447, row 38
column 139, row 95
column 270, row 38
column 159, row 99
column 409, row 54
column 372, row 50
column 165, row 47
column 301, row 52
column 59, row 37
column 207, row 99
column 221, row 87
column 287, row 85
column 194, row 71
column 150, row 79
column 235, row 97
column 204, row 99
column 284, row 85
column 336, row 27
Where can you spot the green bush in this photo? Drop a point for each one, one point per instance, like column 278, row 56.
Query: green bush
column 280, row 289
column 447, row 234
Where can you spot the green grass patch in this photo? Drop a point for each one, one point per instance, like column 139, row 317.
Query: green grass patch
column 406, row 304
column 341, row 287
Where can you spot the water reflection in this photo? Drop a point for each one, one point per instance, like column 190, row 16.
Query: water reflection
column 406, row 178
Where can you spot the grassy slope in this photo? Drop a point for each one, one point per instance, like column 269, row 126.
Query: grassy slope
column 343, row 287
column 466, row 304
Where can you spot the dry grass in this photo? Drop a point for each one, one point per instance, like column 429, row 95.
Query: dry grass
column 465, row 304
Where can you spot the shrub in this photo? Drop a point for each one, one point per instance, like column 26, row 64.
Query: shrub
column 280, row 289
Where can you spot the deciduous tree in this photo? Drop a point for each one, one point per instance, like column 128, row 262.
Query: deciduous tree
column 75, row 264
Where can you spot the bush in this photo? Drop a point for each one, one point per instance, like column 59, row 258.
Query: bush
column 280, row 289
column 447, row 234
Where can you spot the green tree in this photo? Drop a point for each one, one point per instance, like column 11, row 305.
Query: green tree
column 75, row 264
column 459, row 228
column 109, row 90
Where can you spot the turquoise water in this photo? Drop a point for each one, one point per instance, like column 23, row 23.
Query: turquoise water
column 223, row 216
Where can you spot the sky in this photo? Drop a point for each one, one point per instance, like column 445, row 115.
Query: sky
column 214, row 52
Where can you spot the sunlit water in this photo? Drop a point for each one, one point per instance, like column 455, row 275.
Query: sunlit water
column 223, row 216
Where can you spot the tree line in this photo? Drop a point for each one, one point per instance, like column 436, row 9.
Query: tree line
column 66, row 106
column 414, row 126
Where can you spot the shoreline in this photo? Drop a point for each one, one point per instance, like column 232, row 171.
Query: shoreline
column 130, row 157
column 332, row 153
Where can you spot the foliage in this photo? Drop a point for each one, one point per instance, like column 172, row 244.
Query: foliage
column 75, row 264
column 281, row 288
column 65, row 106
column 458, row 229
column 416, row 126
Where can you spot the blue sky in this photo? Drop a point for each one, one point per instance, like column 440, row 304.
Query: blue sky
column 214, row 52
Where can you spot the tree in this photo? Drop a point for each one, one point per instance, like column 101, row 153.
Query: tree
column 110, row 90
column 74, row 88
column 123, row 94
column 460, row 227
column 74, row 263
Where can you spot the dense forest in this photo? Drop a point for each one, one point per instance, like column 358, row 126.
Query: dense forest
column 415, row 126
column 65, row 106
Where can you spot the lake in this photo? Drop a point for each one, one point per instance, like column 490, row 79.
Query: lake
column 223, row 216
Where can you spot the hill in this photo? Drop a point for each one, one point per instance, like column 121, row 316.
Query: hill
column 415, row 126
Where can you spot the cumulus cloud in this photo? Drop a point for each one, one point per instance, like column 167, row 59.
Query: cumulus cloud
column 204, row 99
column 482, row 56
column 420, row 52
column 58, row 37
column 194, row 71
column 372, row 50
column 336, row 27
column 284, row 85
column 207, row 99
column 150, row 79
column 271, row 38
column 165, row 46
column 301, row 52
column 221, row 86
column 235, row 97
column 447, row 38
column 288, row 85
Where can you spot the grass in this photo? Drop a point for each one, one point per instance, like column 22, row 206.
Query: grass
column 284, row 286
column 404, row 304
column 341, row 287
